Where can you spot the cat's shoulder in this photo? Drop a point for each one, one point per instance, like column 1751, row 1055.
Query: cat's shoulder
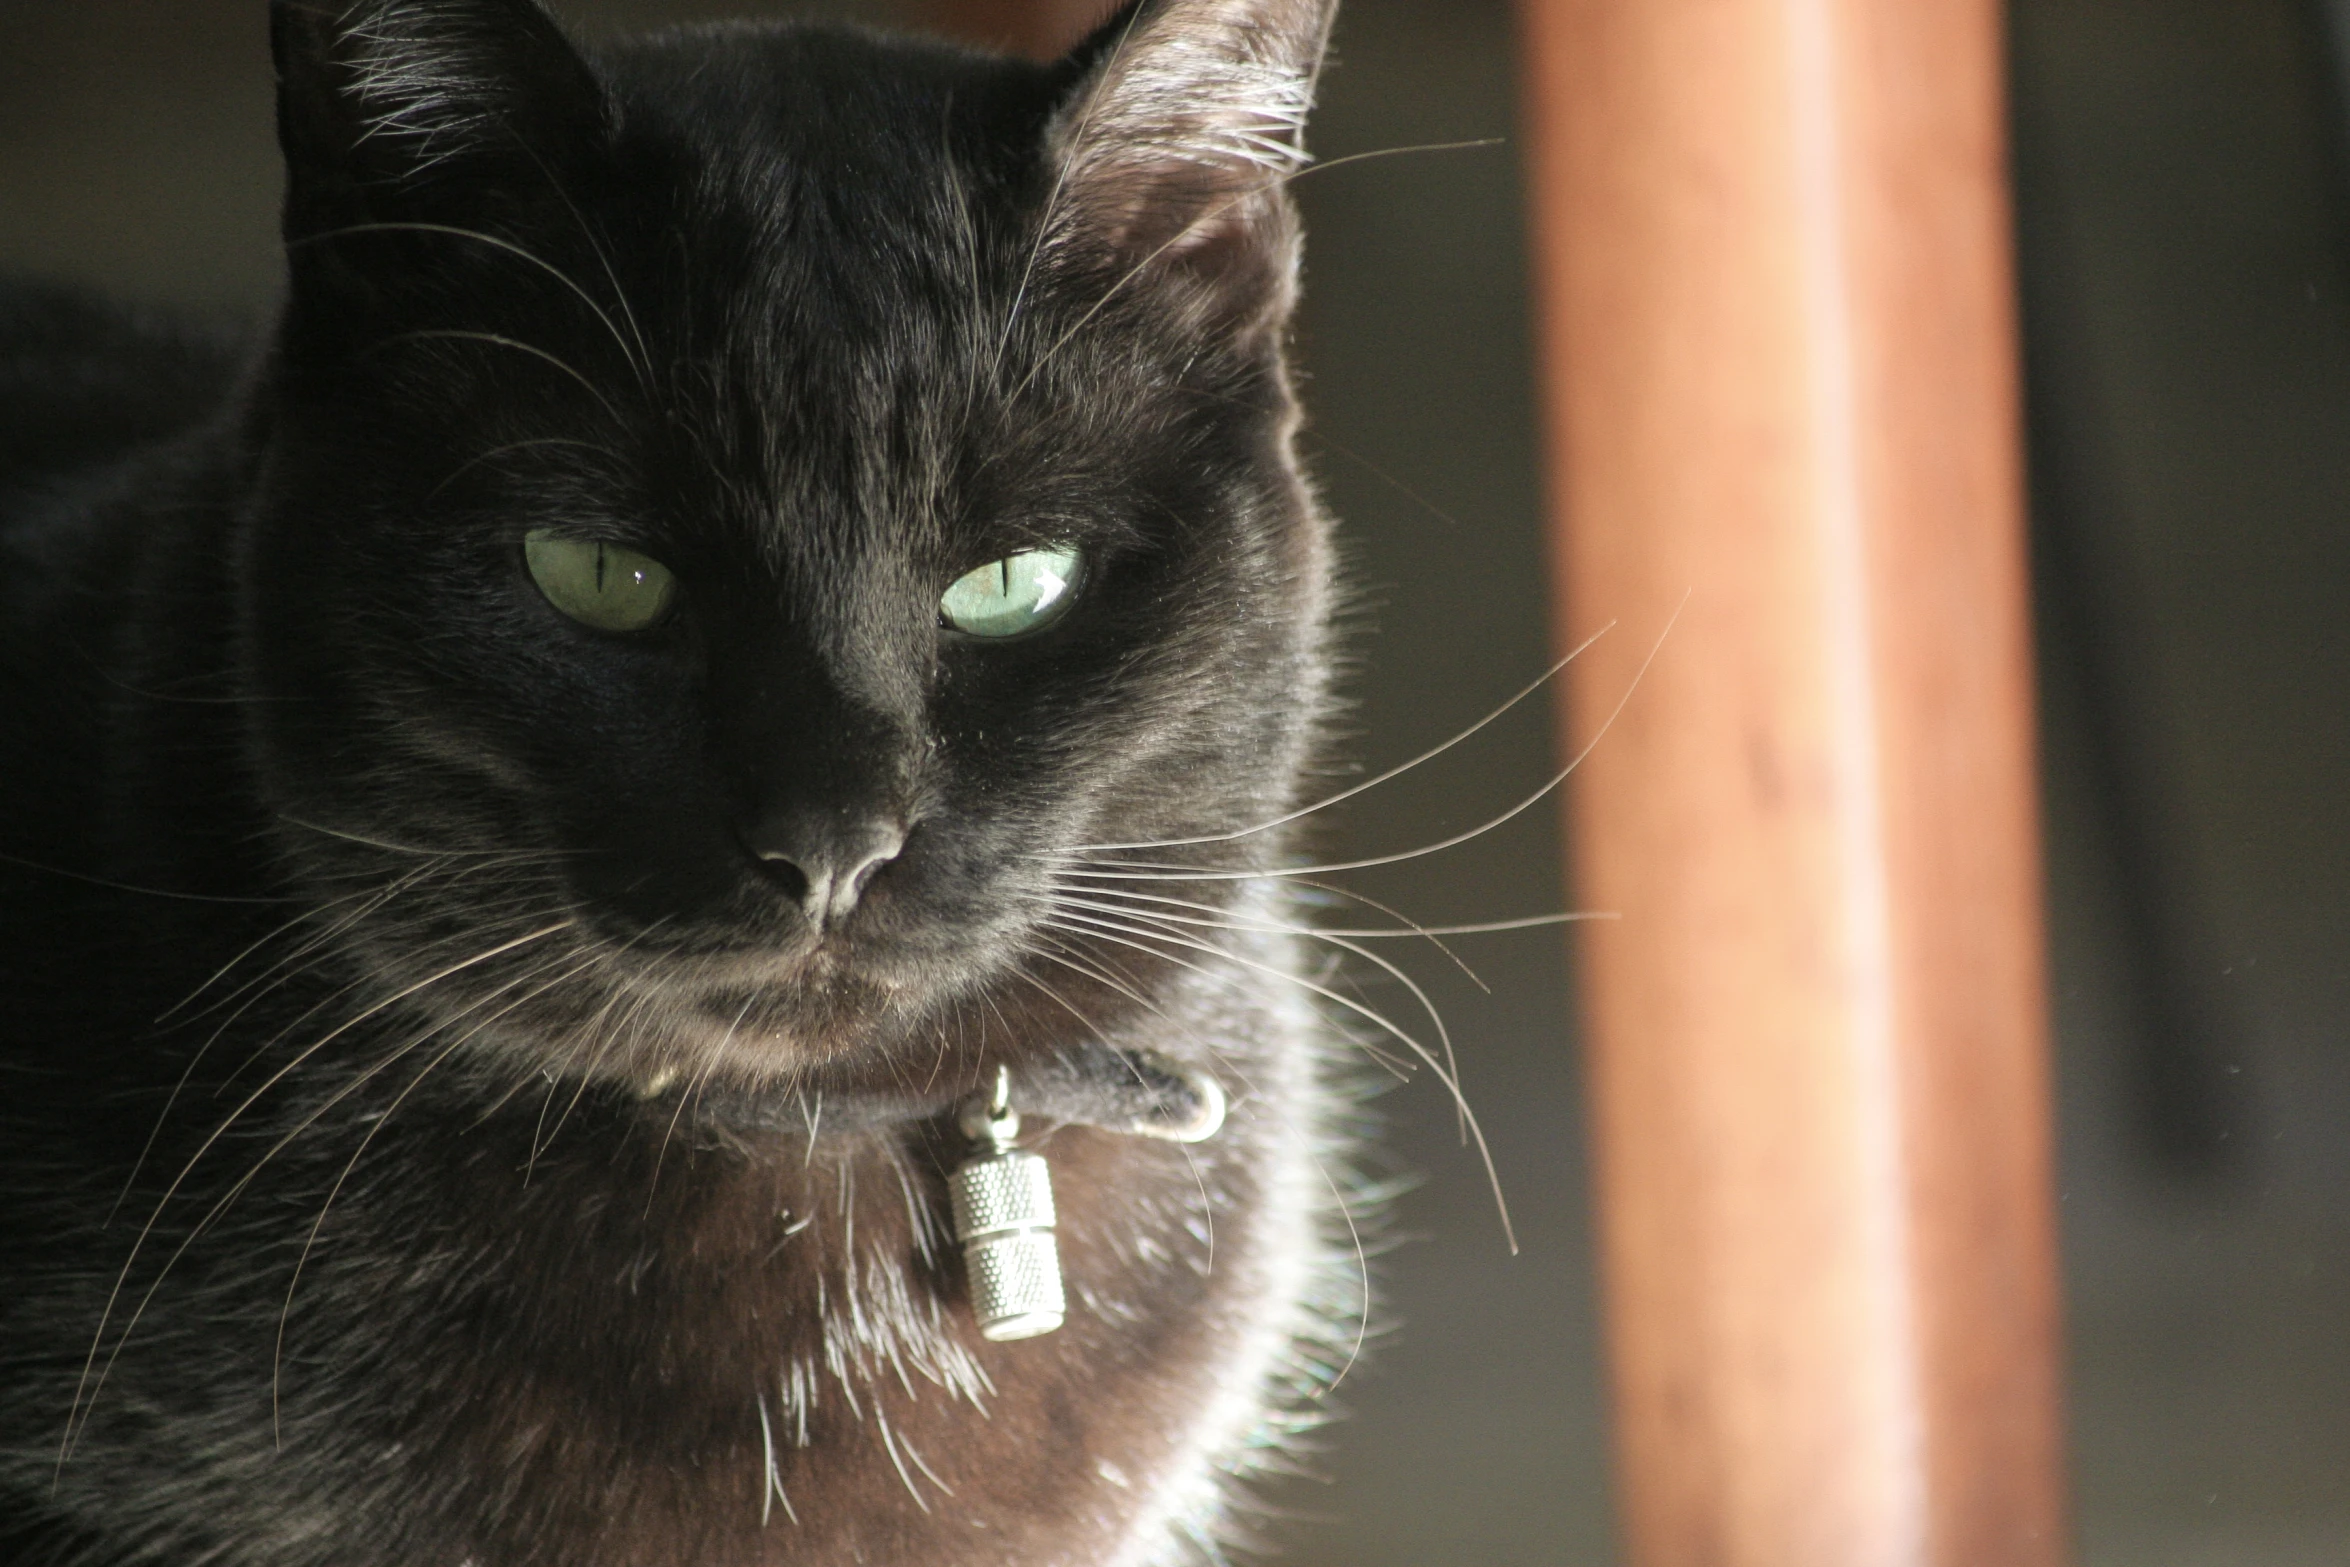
column 84, row 382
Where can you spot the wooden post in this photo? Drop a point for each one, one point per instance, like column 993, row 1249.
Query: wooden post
column 1780, row 358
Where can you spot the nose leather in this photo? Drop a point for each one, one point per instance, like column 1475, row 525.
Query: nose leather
column 825, row 861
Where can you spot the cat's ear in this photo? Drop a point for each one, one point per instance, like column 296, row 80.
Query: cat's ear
column 1172, row 150
column 384, row 104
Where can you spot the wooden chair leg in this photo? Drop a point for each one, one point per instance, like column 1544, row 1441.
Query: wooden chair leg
column 1781, row 366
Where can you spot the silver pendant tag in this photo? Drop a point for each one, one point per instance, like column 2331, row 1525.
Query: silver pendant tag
column 1003, row 1205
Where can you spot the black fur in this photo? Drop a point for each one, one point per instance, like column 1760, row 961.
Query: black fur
column 416, row 1143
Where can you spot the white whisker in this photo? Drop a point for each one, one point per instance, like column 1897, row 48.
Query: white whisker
column 773, row 1491
column 1392, row 773
column 1094, row 869
column 641, row 368
column 1410, row 931
column 1378, row 1019
column 1345, row 1211
column 1203, row 219
column 1395, row 1066
column 500, row 340
column 277, row 1352
column 85, row 1390
column 1207, row 1206
column 1435, row 1018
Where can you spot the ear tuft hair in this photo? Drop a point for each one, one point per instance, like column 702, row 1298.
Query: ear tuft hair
column 420, row 71
column 1188, row 118
column 383, row 91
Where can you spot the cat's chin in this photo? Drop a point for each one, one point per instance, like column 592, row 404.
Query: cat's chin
column 748, row 1015
column 757, row 1018
column 788, row 1026
column 745, row 1039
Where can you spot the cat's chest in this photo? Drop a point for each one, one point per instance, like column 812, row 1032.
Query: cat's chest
column 769, row 1356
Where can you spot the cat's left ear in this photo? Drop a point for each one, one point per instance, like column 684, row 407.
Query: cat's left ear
column 1173, row 149
column 387, row 107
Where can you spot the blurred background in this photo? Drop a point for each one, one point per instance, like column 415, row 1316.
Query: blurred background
column 2184, row 229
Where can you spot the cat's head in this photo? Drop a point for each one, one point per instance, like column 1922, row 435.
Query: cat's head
column 741, row 514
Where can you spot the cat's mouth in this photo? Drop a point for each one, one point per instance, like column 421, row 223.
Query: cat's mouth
column 815, row 996
column 896, row 940
column 756, row 1014
column 573, row 984
column 821, row 1014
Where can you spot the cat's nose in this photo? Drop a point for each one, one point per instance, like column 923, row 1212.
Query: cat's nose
column 824, row 862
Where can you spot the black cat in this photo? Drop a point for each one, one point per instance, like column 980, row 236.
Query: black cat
column 756, row 591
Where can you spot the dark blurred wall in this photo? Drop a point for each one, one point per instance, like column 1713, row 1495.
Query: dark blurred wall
column 2188, row 315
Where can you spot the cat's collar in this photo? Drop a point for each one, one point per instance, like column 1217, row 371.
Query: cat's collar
column 1124, row 1089
column 1001, row 1194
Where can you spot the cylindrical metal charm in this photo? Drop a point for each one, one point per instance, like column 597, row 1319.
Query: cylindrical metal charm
column 1004, row 1219
column 1003, row 1204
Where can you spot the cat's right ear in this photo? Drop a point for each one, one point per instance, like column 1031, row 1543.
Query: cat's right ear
column 402, row 109
column 1171, row 153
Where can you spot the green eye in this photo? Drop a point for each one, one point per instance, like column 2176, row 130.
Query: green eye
column 1018, row 593
column 599, row 585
